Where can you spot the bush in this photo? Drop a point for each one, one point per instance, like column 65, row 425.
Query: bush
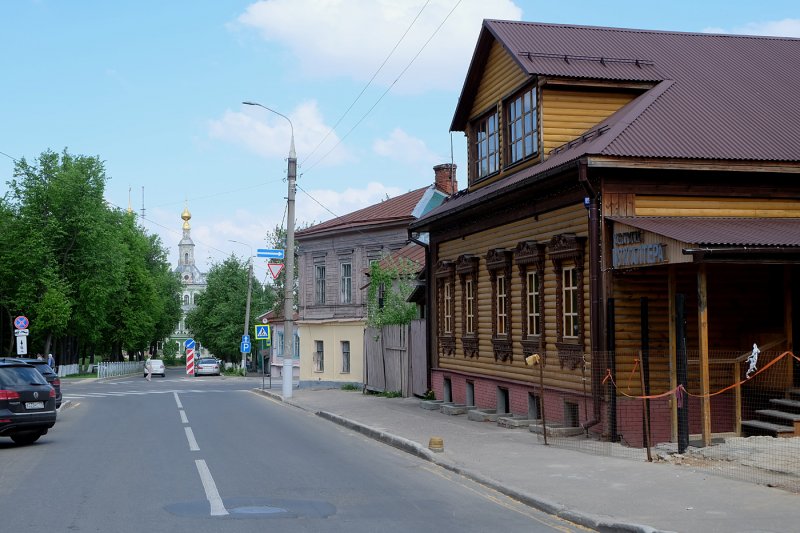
column 351, row 386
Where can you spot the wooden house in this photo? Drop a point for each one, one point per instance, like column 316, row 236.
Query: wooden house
column 633, row 203
column 334, row 259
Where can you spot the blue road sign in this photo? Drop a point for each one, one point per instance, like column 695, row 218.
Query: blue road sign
column 245, row 348
column 189, row 344
column 270, row 253
column 21, row 322
column 246, row 338
column 262, row 332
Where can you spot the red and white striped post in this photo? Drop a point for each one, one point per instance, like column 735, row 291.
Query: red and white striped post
column 189, row 344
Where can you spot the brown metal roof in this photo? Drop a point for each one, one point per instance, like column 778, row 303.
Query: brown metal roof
column 720, row 98
column 733, row 97
column 397, row 209
column 721, row 231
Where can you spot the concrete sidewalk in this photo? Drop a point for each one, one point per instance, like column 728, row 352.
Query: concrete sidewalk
column 602, row 493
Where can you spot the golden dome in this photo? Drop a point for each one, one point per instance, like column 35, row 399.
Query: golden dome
column 186, row 215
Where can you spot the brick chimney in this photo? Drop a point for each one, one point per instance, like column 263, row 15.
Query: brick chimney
column 445, row 178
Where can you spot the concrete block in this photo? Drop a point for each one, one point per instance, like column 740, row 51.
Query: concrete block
column 432, row 405
column 455, row 409
column 515, row 421
column 556, row 430
column 485, row 415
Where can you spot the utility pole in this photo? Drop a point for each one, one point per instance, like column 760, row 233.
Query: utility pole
column 288, row 289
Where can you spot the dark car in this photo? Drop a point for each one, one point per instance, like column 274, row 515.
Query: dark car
column 27, row 402
column 48, row 373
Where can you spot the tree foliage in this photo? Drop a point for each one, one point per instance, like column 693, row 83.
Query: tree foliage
column 390, row 285
column 217, row 321
column 86, row 275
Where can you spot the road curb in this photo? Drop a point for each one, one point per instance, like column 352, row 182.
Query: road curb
column 595, row 522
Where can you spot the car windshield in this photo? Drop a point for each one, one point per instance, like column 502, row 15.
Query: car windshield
column 20, row 376
column 208, row 362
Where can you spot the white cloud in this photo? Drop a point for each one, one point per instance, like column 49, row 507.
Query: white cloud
column 268, row 134
column 352, row 38
column 403, row 147
column 338, row 203
column 777, row 28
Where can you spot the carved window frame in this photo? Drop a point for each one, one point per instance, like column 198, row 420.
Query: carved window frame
column 568, row 249
column 445, row 276
column 467, row 269
column 530, row 258
column 498, row 263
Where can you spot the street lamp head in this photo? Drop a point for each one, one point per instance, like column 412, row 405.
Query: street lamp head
column 292, row 154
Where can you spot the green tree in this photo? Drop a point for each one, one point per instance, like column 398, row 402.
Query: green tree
column 218, row 319
column 86, row 275
column 390, row 285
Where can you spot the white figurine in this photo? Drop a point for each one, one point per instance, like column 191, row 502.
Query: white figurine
column 753, row 359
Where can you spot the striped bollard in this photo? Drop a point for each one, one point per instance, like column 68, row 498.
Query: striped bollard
column 189, row 345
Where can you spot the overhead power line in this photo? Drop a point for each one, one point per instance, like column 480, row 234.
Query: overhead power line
column 360, row 120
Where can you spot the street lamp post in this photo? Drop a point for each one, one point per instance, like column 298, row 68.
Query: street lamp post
column 247, row 309
column 288, row 289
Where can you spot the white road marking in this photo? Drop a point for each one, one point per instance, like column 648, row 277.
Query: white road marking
column 178, row 400
column 193, row 447
column 212, row 494
column 183, row 417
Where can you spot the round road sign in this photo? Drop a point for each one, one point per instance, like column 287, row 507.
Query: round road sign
column 21, row 322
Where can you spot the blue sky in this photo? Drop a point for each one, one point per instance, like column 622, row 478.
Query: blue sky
column 154, row 89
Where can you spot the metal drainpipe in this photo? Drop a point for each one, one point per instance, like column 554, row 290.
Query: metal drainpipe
column 428, row 307
column 594, row 293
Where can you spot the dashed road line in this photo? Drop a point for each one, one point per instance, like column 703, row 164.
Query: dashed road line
column 212, row 494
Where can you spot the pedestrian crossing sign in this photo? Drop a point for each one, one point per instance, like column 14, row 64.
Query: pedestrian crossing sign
column 262, row 332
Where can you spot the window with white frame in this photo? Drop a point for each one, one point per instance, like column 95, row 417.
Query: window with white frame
column 487, row 147
column 346, row 283
column 319, row 356
column 445, row 288
column 534, row 311
column 319, row 284
column 569, row 289
column 278, row 344
column 502, row 312
column 448, row 307
column 469, row 295
column 345, row 357
column 523, row 139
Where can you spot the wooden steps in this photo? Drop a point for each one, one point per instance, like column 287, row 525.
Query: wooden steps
column 759, row 427
column 782, row 420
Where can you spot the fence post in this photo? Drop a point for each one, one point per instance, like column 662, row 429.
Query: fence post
column 681, row 367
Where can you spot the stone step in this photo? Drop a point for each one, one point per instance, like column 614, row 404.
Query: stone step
column 786, row 405
column 793, row 394
column 455, row 408
column 783, row 415
column 759, row 427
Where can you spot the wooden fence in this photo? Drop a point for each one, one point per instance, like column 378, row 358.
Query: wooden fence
column 396, row 359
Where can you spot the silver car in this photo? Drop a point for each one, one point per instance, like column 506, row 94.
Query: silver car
column 207, row 367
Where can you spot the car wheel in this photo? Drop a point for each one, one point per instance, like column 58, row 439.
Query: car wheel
column 29, row 437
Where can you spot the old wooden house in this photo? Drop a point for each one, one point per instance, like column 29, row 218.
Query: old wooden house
column 334, row 260
column 632, row 217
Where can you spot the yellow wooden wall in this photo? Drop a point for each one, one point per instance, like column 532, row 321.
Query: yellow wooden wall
column 500, row 77
column 568, row 113
column 683, row 206
column 567, row 220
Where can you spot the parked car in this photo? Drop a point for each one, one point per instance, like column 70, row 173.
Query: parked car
column 156, row 368
column 27, row 402
column 207, row 366
column 46, row 371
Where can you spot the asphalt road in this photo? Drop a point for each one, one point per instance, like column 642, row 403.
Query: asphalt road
column 207, row 454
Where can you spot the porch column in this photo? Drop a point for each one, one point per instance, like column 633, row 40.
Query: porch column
column 673, row 350
column 702, row 330
column 787, row 323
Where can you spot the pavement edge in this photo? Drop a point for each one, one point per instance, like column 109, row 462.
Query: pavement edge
column 598, row 523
